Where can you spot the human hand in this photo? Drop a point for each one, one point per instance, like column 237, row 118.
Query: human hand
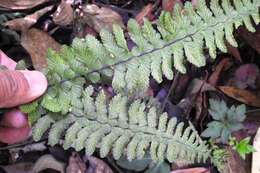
column 17, row 87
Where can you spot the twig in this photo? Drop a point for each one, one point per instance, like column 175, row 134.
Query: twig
column 21, row 144
column 173, row 86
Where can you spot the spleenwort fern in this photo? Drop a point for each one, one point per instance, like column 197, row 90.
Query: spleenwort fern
column 177, row 38
column 121, row 126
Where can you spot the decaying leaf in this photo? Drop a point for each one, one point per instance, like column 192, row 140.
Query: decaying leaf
column 18, row 168
column 241, row 95
column 198, row 85
column 101, row 18
column 235, row 164
column 192, row 170
column 246, row 75
column 36, row 42
column 234, row 52
column 76, row 164
column 64, row 14
column 251, row 38
column 256, row 155
column 146, row 12
column 22, row 24
column 21, row 4
column 223, row 64
column 97, row 165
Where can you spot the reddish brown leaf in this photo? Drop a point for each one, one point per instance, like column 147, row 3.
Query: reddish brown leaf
column 64, row 14
column 241, row 95
column 234, row 163
column 251, row 38
column 36, row 42
column 97, row 166
column 192, row 170
column 167, row 5
column 22, row 24
column 223, row 64
column 76, row 164
column 234, row 52
column 101, row 18
column 21, row 4
column 146, row 12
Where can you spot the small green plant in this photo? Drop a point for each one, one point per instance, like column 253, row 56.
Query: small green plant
column 242, row 147
column 226, row 120
column 219, row 156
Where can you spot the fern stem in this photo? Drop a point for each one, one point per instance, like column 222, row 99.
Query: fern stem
column 173, row 86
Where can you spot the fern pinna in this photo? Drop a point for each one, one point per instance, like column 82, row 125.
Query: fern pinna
column 121, row 126
column 125, row 125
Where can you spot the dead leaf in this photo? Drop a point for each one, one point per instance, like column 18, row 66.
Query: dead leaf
column 241, row 95
column 256, row 155
column 146, row 12
column 21, row 4
column 97, row 165
column 22, row 24
column 251, row 39
column 234, row 52
column 18, row 168
column 234, row 164
column 246, row 75
column 101, row 18
column 223, row 64
column 192, row 170
column 36, row 42
column 198, row 85
column 167, row 5
column 76, row 164
column 64, row 14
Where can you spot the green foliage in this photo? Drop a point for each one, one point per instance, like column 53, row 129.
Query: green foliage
column 219, row 157
column 242, row 147
column 226, row 120
column 177, row 38
column 122, row 127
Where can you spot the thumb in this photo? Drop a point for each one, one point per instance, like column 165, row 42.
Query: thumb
column 19, row 87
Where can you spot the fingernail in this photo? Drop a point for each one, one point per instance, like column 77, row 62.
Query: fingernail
column 37, row 82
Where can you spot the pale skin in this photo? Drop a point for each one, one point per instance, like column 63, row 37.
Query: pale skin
column 16, row 88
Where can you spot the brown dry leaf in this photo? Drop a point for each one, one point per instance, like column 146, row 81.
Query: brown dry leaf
column 23, row 24
column 64, row 14
column 21, row 4
column 76, row 164
column 234, row 52
column 192, row 170
column 256, row 155
column 241, row 95
column 167, row 5
column 36, row 42
column 146, row 12
column 251, row 38
column 101, row 18
column 223, row 64
column 234, row 163
column 97, row 166
column 18, row 168
column 198, row 85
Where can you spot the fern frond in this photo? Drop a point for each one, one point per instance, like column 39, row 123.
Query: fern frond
column 144, row 129
column 177, row 38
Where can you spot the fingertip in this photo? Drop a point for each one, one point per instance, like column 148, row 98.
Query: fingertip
column 14, row 135
column 14, row 118
column 37, row 82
